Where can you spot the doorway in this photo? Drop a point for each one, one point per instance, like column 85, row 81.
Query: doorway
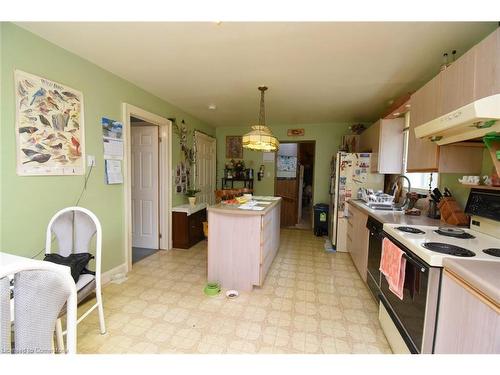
column 161, row 209
column 144, row 142
column 294, row 183
column 205, row 167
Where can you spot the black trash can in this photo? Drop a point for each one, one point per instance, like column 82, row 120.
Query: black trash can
column 320, row 219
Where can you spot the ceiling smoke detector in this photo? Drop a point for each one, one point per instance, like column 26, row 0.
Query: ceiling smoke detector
column 212, row 107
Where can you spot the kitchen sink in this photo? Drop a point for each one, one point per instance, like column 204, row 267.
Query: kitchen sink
column 381, row 207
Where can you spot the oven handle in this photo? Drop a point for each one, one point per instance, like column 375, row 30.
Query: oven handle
column 415, row 263
column 409, row 258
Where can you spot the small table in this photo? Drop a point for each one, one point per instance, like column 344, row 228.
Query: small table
column 246, row 181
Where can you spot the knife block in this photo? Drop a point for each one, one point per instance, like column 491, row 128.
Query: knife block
column 451, row 213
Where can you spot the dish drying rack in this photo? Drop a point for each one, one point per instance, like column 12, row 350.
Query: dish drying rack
column 376, row 200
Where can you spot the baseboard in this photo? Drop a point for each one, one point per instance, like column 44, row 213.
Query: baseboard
column 107, row 276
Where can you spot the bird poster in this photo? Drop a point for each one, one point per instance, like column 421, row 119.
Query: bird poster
column 49, row 127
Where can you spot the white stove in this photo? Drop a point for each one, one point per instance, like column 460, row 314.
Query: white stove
column 415, row 243
column 410, row 322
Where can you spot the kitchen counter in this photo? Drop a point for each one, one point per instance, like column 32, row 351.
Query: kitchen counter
column 482, row 275
column 265, row 204
column 395, row 217
column 188, row 209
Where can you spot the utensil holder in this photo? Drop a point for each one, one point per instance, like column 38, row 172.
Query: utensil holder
column 451, row 213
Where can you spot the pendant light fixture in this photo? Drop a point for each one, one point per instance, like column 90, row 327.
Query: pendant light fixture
column 260, row 137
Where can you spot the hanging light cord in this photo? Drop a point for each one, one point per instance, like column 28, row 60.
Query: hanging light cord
column 262, row 114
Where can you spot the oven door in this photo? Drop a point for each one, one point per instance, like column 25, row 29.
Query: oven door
column 409, row 313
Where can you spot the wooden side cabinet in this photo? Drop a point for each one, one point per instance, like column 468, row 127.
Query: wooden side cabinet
column 187, row 227
column 468, row 322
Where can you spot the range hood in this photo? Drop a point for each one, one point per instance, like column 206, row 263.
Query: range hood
column 471, row 121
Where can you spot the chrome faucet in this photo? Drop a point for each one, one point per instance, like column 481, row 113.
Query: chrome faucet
column 406, row 202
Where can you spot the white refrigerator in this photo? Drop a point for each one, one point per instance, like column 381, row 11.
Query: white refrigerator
column 349, row 172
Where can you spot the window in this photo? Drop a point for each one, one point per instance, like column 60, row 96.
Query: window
column 419, row 181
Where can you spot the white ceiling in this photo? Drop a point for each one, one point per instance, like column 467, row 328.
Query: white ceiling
column 316, row 72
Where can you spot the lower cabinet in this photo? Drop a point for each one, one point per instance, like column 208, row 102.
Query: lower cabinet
column 467, row 321
column 187, row 230
column 357, row 239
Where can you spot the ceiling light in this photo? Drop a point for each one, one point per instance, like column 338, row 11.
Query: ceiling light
column 212, row 107
column 260, row 138
column 396, row 114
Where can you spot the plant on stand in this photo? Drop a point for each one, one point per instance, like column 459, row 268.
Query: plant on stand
column 191, row 194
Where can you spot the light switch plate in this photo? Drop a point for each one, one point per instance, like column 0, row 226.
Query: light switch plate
column 90, row 160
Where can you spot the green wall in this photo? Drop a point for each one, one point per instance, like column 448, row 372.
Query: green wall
column 327, row 137
column 461, row 193
column 27, row 203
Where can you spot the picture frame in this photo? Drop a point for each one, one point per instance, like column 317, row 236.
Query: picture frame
column 49, row 127
column 234, row 147
column 295, row 132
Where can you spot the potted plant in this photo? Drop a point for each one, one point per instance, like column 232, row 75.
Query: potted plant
column 191, row 194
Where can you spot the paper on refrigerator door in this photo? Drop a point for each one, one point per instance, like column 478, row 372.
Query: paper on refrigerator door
column 361, row 168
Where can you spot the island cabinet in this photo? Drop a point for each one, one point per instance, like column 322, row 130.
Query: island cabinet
column 357, row 239
column 384, row 140
column 468, row 321
column 242, row 244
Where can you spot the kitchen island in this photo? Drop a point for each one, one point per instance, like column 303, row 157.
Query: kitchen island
column 242, row 243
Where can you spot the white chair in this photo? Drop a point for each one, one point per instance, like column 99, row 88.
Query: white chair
column 74, row 229
column 40, row 290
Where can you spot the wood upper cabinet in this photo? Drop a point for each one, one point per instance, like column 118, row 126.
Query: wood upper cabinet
column 475, row 75
column 384, row 140
column 423, row 154
column 457, row 83
column 468, row 322
column 487, row 66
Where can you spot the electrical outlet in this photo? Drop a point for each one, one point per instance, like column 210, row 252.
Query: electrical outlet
column 90, row 161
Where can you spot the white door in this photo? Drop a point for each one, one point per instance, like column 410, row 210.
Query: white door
column 145, row 200
column 205, row 168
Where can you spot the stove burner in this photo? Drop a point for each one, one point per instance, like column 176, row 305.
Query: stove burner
column 454, row 232
column 492, row 251
column 410, row 230
column 446, row 248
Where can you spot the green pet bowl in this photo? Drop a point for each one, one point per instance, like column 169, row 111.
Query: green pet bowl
column 212, row 289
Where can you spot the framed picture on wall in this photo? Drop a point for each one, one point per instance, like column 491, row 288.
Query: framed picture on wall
column 234, row 147
column 49, row 127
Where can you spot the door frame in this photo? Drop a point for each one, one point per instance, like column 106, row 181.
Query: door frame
column 314, row 166
column 164, row 180
column 201, row 134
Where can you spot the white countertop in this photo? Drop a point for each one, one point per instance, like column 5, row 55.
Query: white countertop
column 395, row 217
column 483, row 275
column 414, row 243
column 188, row 209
